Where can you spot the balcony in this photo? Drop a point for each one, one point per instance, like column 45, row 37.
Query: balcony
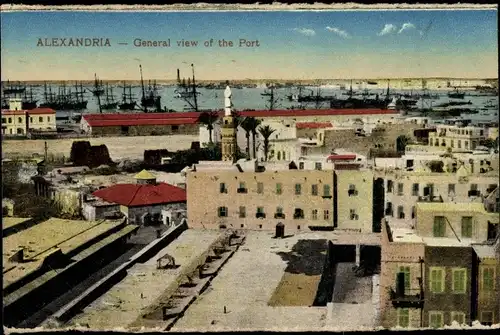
column 430, row 198
column 279, row 216
column 412, row 298
column 241, row 190
column 260, row 215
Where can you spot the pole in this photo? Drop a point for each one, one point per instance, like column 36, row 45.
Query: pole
column 46, row 149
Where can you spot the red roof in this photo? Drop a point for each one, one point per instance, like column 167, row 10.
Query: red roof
column 310, row 125
column 341, row 157
column 137, row 119
column 142, row 195
column 30, row 112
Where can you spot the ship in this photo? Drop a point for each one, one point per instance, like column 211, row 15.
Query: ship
column 13, row 89
column 127, row 98
column 188, row 91
column 50, row 98
column 78, row 102
column 456, row 94
column 109, row 101
column 98, row 91
column 28, row 102
column 150, row 97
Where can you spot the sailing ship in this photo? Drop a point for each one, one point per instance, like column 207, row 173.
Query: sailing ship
column 456, row 94
column 188, row 91
column 98, row 91
column 109, row 101
column 50, row 99
column 150, row 97
column 28, row 102
column 16, row 88
column 79, row 102
column 127, row 98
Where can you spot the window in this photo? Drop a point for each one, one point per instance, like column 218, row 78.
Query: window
column 278, row 188
column 459, row 280
column 353, row 214
column 298, row 213
column 222, row 188
column 10, row 120
column 260, row 210
column 243, row 212
column 466, row 144
column 31, row 119
column 400, row 188
column 403, row 317
column 414, row 190
column 352, row 190
column 436, row 280
column 389, row 186
column 298, row 189
column 314, row 189
column 279, row 155
column 458, row 317
column 439, row 228
column 317, row 166
column 436, row 319
column 48, row 118
column 467, row 226
column 4, row 120
column 301, row 165
column 401, row 213
column 40, row 119
column 488, row 279
column 298, row 227
column 326, row 214
column 412, row 212
column 222, row 212
column 314, row 214
column 451, row 188
column 459, row 144
column 487, row 318
column 175, row 128
column 242, row 188
column 326, row 191
column 473, row 187
column 452, row 144
column 406, row 271
column 260, row 188
column 19, row 120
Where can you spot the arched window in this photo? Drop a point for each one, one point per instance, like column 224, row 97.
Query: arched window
column 20, row 120
column 279, row 155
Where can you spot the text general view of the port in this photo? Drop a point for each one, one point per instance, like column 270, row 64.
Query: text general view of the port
column 268, row 170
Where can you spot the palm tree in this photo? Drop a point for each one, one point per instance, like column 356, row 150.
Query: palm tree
column 252, row 124
column 266, row 132
column 247, row 127
column 208, row 119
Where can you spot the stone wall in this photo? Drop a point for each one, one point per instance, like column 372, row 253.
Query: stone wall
column 347, row 139
column 188, row 129
column 135, row 213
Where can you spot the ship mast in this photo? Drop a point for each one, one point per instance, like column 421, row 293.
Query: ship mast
column 194, row 91
column 143, row 93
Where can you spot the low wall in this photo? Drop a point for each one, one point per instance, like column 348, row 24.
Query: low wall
column 99, row 288
column 327, row 282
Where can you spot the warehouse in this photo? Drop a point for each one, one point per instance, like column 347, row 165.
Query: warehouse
column 140, row 124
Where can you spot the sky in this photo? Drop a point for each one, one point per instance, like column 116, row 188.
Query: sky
column 292, row 44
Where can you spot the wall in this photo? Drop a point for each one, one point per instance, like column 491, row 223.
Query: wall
column 362, row 203
column 395, row 255
column 489, row 301
column 346, row 138
column 447, row 302
column 188, row 129
column 135, row 213
column 14, row 125
column 425, row 221
column 68, row 200
column 204, row 198
column 92, row 212
column 42, row 122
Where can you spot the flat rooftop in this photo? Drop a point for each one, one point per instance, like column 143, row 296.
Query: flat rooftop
column 42, row 239
column 8, row 222
column 248, row 285
column 485, row 251
column 144, row 284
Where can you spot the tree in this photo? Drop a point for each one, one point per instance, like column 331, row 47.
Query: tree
column 266, row 132
column 250, row 124
column 253, row 124
column 208, row 119
column 401, row 143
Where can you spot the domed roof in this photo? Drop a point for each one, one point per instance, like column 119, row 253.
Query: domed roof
column 144, row 175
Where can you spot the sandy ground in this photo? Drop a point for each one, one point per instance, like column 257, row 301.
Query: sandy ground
column 295, row 290
column 119, row 147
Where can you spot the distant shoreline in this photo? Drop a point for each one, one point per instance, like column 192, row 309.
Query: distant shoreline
column 260, row 81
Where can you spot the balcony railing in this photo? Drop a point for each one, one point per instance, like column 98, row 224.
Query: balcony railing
column 260, row 215
column 474, row 193
column 410, row 298
column 242, row 190
column 430, row 198
column 279, row 215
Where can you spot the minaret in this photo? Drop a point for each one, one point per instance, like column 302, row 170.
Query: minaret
column 228, row 130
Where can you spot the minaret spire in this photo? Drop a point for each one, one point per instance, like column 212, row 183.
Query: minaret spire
column 228, row 130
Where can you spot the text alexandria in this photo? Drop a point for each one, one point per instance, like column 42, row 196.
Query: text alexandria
column 74, row 42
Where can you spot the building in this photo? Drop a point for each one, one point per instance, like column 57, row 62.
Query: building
column 140, row 124
column 457, row 138
column 444, row 270
column 21, row 122
column 403, row 189
column 144, row 203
